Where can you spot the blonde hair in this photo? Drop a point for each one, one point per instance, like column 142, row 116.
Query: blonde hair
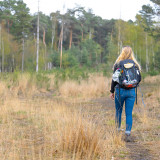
column 127, row 53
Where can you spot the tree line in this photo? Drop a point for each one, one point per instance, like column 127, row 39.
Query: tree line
column 76, row 38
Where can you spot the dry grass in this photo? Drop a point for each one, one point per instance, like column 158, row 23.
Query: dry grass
column 47, row 129
column 96, row 86
column 146, row 120
column 43, row 129
column 26, row 84
column 22, row 86
column 152, row 79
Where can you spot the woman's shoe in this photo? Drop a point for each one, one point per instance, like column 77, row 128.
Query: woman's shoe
column 120, row 130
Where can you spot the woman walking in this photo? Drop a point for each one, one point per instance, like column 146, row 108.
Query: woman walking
column 125, row 88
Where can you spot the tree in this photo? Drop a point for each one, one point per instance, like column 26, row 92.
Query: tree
column 37, row 57
column 73, row 24
column 7, row 10
column 147, row 21
column 53, row 17
column 89, row 21
column 21, row 25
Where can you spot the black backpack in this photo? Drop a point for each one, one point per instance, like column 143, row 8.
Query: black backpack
column 129, row 76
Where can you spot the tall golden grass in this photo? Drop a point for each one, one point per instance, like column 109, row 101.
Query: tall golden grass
column 152, row 79
column 146, row 117
column 43, row 129
column 94, row 87
column 46, row 129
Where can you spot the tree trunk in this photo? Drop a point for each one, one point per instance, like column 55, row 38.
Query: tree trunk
column 70, row 39
column 61, row 45
column 22, row 54
column 140, row 56
column 82, row 31
column 35, row 45
column 59, row 42
column 52, row 40
column 136, row 46
column 96, row 59
column 119, row 36
column 37, row 58
column 53, row 32
column 13, row 63
column 90, row 34
column 153, row 55
column 111, row 35
column 0, row 44
column 44, row 35
column 2, row 55
column 8, row 29
column 147, row 58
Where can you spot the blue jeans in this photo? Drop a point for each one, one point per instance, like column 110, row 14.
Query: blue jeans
column 127, row 96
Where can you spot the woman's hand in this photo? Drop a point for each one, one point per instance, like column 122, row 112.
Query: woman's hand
column 112, row 96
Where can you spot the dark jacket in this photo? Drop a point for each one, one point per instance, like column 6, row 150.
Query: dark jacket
column 113, row 83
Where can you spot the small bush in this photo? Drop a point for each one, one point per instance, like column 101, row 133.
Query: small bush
column 71, row 74
column 42, row 81
column 153, row 73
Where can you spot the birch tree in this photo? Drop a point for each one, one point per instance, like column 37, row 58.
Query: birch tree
column 61, row 44
column 2, row 55
column 37, row 57
column 0, row 43
column 54, row 22
column 147, row 58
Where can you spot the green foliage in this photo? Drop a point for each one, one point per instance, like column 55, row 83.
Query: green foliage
column 21, row 21
column 88, row 55
column 157, row 59
column 72, row 74
column 55, row 58
column 12, row 77
column 84, row 60
column 153, row 73
column 69, row 60
column 30, row 64
column 150, row 73
column 111, row 51
column 88, row 40
column 42, row 80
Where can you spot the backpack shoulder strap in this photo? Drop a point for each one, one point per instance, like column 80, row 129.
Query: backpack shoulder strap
column 116, row 66
column 126, row 61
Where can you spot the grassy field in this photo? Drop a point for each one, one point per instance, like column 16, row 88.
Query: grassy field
column 41, row 120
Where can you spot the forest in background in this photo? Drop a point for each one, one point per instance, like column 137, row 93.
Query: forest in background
column 75, row 39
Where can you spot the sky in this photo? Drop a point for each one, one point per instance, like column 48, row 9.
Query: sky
column 107, row 9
